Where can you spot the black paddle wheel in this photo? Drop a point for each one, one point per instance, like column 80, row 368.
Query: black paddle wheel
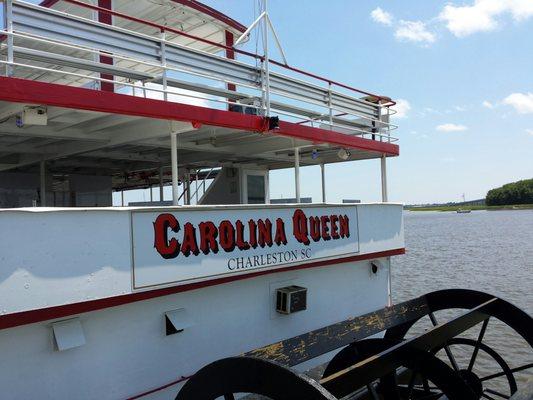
column 439, row 362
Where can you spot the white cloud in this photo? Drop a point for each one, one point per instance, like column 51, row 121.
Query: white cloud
column 448, row 159
column 402, row 107
column 488, row 104
column 381, row 16
column 483, row 15
column 521, row 102
column 414, row 31
column 451, row 128
column 530, row 131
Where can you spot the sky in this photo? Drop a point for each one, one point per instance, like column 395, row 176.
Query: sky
column 462, row 73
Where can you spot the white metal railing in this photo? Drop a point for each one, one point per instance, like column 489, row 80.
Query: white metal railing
column 42, row 43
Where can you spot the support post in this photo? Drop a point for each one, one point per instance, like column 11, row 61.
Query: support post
column 323, row 175
column 161, row 194
column 122, row 197
column 151, row 194
column 230, row 54
column 174, row 162
column 266, row 61
column 8, row 10
column 164, row 64
column 297, row 173
column 43, row 183
column 384, row 196
column 106, row 18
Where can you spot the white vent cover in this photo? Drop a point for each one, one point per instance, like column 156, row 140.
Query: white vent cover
column 68, row 334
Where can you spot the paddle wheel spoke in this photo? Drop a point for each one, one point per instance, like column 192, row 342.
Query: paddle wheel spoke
column 446, row 347
column 513, row 370
column 479, row 340
column 485, row 395
column 494, row 392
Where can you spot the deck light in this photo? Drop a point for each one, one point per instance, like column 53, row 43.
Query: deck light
column 343, row 154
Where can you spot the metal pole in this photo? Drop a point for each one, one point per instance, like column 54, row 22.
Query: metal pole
column 9, row 27
column 151, row 194
column 323, row 174
column 122, row 197
column 384, row 196
column 297, row 173
column 265, row 49
column 164, row 64
column 188, row 193
column 174, row 162
column 43, row 184
column 161, row 194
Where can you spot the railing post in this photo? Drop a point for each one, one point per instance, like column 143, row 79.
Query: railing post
column 8, row 16
column 297, row 173
column 164, row 64
column 330, row 108
column 188, row 182
column 379, row 122
column 42, row 171
column 161, row 194
column 323, row 175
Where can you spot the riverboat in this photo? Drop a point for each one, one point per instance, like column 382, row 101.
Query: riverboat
column 157, row 301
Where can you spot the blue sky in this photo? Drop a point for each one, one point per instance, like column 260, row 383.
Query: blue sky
column 465, row 70
column 462, row 72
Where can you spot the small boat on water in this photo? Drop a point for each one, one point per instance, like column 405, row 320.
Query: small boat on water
column 463, row 211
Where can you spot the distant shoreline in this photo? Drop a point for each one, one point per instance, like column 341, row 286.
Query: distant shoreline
column 488, row 208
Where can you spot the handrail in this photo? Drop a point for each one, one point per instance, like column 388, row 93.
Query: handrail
column 163, row 28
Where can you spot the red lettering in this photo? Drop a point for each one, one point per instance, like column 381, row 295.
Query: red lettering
column 280, row 232
column 226, row 236
column 299, row 226
column 252, row 226
column 325, row 228
column 344, row 222
column 334, row 228
column 167, row 249
column 264, row 236
column 241, row 243
column 314, row 228
column 189, row 244
column 208, row 235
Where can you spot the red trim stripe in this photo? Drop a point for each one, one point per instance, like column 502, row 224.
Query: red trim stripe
column 48, row 313
column 34, row 92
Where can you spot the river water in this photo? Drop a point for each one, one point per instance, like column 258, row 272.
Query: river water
column 490, row 251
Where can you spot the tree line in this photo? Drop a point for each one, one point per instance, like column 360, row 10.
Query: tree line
column 520, row 192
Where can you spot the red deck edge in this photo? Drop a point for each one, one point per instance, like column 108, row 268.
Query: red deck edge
column 33, row 92
column 48, row 313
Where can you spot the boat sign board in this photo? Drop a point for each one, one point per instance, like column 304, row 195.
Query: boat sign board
column 173, row 247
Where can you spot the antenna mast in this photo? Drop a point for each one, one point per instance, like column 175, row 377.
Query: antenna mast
column 266, row 25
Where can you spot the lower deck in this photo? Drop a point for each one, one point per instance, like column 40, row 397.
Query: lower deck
column 99, row 304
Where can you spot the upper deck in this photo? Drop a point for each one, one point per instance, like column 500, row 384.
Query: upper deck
column 108, row 83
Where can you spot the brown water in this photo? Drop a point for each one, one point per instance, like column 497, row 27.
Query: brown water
column 490, row 251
